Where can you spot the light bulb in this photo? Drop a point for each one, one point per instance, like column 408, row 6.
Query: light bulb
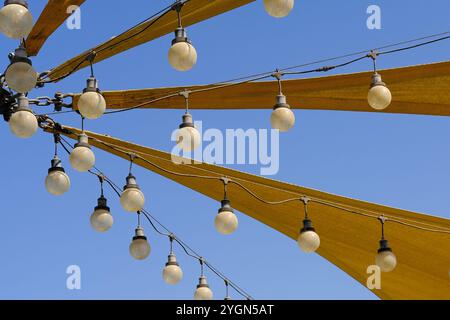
column 20, row 74
column 82, row 158
column 282, row 117
column 203, row 291
column 226, row 221
column 92, row 104
column 172, row 273
column 379, row 96
column 188, row 137
column 57, row 181
column 23, row 122
column 278, row 8
column 16, row 20
column 139, row 247
column 182, row 54
column 101, row 219
column 386, row 259
column 132, row 198
column 308, row 240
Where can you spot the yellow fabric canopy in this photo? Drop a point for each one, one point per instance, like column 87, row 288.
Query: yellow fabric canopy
column 193, row 12
column 419, row 89
column 348, row 228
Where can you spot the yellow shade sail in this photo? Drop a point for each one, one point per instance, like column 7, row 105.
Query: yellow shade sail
column 53, row 15
column 193, row 11
column 422, row 89
column 348, row 228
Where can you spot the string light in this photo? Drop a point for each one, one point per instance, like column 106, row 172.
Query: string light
column 23, row 122
column 172, row 273
column 132, row 198
column 182, row 54
column 282, row 117
column 82, row 158
column 308, row 240
column 57, row 181
column 379, row 96
column 101, row 219
column 203, row 292
column 139, row 247
column 278, row 8
column 20, row 74
column 386, row 259
column 92, row 104
column 226, row 221
column 188, row 137
column 16, row 21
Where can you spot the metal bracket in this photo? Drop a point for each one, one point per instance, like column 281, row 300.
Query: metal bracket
column 225, row 180
column 277, row 75
column 382, row 219
column 305, row 200
column 373, row 54
column 185, row 93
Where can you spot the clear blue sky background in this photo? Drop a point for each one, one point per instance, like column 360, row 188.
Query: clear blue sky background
column 397, row 160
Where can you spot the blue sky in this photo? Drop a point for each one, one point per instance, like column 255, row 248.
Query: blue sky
column 397, row 160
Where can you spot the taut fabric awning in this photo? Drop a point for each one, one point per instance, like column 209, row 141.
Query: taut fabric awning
column 349, row 240
column 422, row 89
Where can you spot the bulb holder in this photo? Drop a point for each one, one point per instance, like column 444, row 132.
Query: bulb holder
column 83, row 141
column 92, row 85
column 56, row 165
column 172, row 261
column 307, row 226
column 20, row 55
column 181, row 36
column 202, row 283
column 139, row 234
column 384, row 246
column 187, row 121
column 23, row 104
column 19, row 2
column 377, row 81
column 131, row 183
column 281, row 102
column 226, row 206
column 102, row 204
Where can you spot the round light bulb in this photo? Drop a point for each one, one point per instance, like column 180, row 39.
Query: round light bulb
column 203, row 291
column 92, row 105
column 379, row 97
column 282, row 117
column 278, row 8
column 21, row 77
column 386, row 260
column 172, row 273
column 101, row 219
column 182, row 56
column 23, row 123
column 309, row 241
column 82, row 159
column 226, row 222
column 16, row 21
column 188, row 139
column 139, row 247
column 132, row 200
column 57, row 182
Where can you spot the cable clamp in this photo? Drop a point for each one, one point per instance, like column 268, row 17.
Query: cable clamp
column 373, row 54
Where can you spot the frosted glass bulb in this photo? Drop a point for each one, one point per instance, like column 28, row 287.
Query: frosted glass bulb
column 309, row 241
column 21, row 77
column 282, row 119
column 203, row 291
column 91, row 105
column 278, row 8
column 16, row 21
column 226, row 222
column 188, row 139
column 139, row 247
column 82, row 159
column 132, row 200
column 57, row 182
column 386, row 260
column 101, row 220
column 172, row 273
column 379, row 97
column 182, row 56
column 23, row 124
